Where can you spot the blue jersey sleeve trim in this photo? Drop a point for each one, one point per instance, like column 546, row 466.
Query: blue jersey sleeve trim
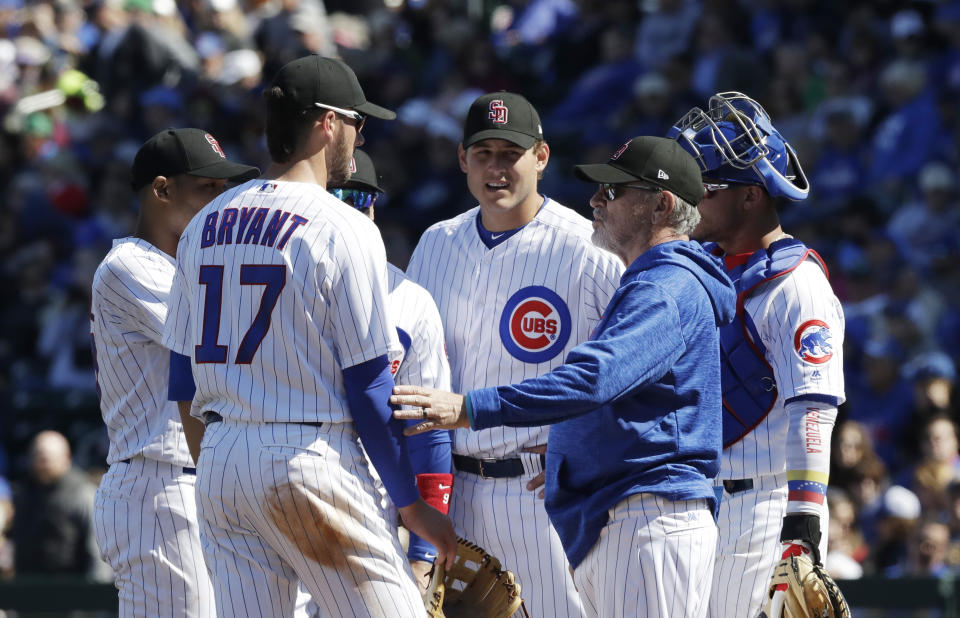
column 181, row 386
column 369, row 386
column 827, row 399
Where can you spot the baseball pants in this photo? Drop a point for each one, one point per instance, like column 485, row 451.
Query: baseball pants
column 282, row 503
column 510, row 522
column 749, row 547
column 145, row 521
column 654, row 558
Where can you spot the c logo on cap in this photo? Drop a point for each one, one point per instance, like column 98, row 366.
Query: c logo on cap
column 535, row 324
column 498, row 112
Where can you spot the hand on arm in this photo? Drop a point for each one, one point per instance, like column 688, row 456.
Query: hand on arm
column 437, row 409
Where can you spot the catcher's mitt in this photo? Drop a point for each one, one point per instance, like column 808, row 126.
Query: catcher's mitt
column 807, row 591
column 476, row 587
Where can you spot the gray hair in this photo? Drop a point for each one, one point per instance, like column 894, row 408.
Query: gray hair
column 684, row 217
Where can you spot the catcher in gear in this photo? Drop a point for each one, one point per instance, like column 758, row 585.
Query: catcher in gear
column 475, row 587
column 801, row 588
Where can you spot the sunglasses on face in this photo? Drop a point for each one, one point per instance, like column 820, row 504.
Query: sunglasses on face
column 349, row 113
column 612, row 191
column 355, row 197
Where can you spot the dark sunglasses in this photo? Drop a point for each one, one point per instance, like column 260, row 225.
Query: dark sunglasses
column 357, row 198
column 610, row 191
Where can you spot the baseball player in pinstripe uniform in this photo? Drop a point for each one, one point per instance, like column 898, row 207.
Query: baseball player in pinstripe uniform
column 423, row 361
column 145, row 514
column 637, row 408
column 518, row 284
column 782, row 356
column 280, row 302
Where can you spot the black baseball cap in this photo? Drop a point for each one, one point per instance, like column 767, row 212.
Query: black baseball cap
column 659, row 161
column 185, row 151
column 362, row 173
column 502, row 115
column 317, row 79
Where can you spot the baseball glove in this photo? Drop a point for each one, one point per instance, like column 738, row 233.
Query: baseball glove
column 808, row 591
column 476, row 587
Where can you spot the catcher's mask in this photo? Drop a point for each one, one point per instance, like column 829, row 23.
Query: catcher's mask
column 734, row 141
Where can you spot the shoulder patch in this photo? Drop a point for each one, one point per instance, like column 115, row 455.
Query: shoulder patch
column 812, row 342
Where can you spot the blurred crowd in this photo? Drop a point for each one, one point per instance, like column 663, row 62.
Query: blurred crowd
column 864, row 90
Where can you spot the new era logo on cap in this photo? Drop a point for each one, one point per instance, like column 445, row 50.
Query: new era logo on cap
column 662, row 175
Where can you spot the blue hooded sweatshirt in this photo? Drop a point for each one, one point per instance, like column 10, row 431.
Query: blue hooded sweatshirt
column 637, row 407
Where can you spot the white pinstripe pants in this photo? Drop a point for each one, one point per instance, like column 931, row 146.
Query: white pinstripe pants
column 511, row 523
column 749, row 547
column 145, row 521
column 282, row 503
column 750, row 523
column 654, row 558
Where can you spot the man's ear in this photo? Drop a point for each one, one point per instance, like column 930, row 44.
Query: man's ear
column 462, row 157
column 753, row 197
column 663, row 206
column 161, row 188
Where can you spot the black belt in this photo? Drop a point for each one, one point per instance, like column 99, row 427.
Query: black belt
column 186, row 470
column 491, row 468
column 735, row 486
column 209, row 418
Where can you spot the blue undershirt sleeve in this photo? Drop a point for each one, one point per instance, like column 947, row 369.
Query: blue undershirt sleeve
column 369, row 386
column 181, row 386
column 429, row 452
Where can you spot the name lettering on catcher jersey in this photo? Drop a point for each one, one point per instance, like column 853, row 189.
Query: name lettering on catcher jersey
column 812, row 342
column 245, row 226
column 535, row 324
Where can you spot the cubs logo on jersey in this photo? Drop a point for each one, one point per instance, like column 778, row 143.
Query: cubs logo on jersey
column 812, row 341
column 535, row 324
column 498, row 112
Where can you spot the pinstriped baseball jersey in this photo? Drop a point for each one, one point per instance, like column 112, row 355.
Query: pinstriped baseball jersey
column 145, row 512
column 791, row 314
column 514, row 311
column 128, row 310
column 275, row 253
column 423, row 361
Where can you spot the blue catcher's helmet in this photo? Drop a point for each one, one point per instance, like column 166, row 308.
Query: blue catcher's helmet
column 734, row 141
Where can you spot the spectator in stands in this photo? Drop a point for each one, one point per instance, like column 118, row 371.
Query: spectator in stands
column 846, row 549
column 52, row 529
column 894, row 521
column 926, row 552
column 927, row 229
column 938, row 466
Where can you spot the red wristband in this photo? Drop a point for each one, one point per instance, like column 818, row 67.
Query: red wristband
column 435, row 490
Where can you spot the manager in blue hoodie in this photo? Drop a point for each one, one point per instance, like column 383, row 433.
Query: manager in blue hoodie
column 636, row 409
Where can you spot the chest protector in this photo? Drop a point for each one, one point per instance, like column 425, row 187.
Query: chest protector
column 747, row 379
